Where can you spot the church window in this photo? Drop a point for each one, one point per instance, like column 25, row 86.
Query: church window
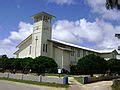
column 43, row 47
column 30, row 50
column 46, row 47
column 78, row 53
column 72, row 53
column 36, row 20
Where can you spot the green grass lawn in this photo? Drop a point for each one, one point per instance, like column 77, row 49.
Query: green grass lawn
column 79, row 79
column 36, row 83
column 61, row 75
column 116, row 87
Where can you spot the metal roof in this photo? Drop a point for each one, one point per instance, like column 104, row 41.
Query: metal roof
column 81, row 47
column 43, row 13
column 29, row 37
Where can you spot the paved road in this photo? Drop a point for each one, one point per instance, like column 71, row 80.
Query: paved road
column 103, row 85
column 9, row 85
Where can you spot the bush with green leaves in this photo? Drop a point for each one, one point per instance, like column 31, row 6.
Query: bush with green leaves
column 26, row 64
column 73, row 69
column 114, row 66
column 4, row 63
column 38, row 65
column 44, row 64
column 92, row 64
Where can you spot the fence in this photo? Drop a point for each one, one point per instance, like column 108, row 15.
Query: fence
column 32, row 78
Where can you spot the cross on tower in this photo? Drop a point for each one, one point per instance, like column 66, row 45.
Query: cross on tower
column 36, row 45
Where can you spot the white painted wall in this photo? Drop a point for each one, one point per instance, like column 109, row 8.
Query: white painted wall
column 66, row 60
column 24, row 50
column 57, row 56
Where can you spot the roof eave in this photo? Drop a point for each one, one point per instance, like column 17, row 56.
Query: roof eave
column 43, row 13
column 23, row 41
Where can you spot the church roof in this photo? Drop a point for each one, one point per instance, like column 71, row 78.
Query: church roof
column 43, row 13
column 70, row 44
column 81, row 47
column 29, row 37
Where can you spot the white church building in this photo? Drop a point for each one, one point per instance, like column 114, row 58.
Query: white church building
column 40, row 43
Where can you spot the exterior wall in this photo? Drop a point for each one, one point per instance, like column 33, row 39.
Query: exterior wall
column 42, row 31
column 36, row 39
column 46, row 34
column 50, row 49
column 66, row 60
column 24, row 50
column 72, row 56
column 108, row 56
column 58, row 56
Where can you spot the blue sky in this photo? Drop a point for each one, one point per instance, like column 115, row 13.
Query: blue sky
column 87, row 22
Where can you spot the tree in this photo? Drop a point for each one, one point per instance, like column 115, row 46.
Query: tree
column 110, row 4
column 6, row 63
column 114, row 66
column 38, row 65
column 73, row 69
column 44, row 64
column 26, row 64
column 92, row 64
column 2, row 64
column 16, row 64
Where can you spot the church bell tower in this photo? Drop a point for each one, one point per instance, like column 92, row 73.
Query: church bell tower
column 42, row 31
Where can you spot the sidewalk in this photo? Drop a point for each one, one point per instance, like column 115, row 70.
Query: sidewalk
column 103, row 85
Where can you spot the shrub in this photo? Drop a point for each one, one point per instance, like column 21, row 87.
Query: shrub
column 114, row 66
column 44, row 64
column 73, row 69
column 92, row 64
column 26, row 64
column 116, row 84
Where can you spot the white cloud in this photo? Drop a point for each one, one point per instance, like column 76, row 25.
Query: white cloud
column 61, row 2
column 18, row 6
column 98, row 6
column 6, row 41
column 100, row 33
column 8, row 44
column 25, row 29
column 77, row 31
column 7, row 50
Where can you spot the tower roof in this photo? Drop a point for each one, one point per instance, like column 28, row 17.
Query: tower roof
column 43, row 14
